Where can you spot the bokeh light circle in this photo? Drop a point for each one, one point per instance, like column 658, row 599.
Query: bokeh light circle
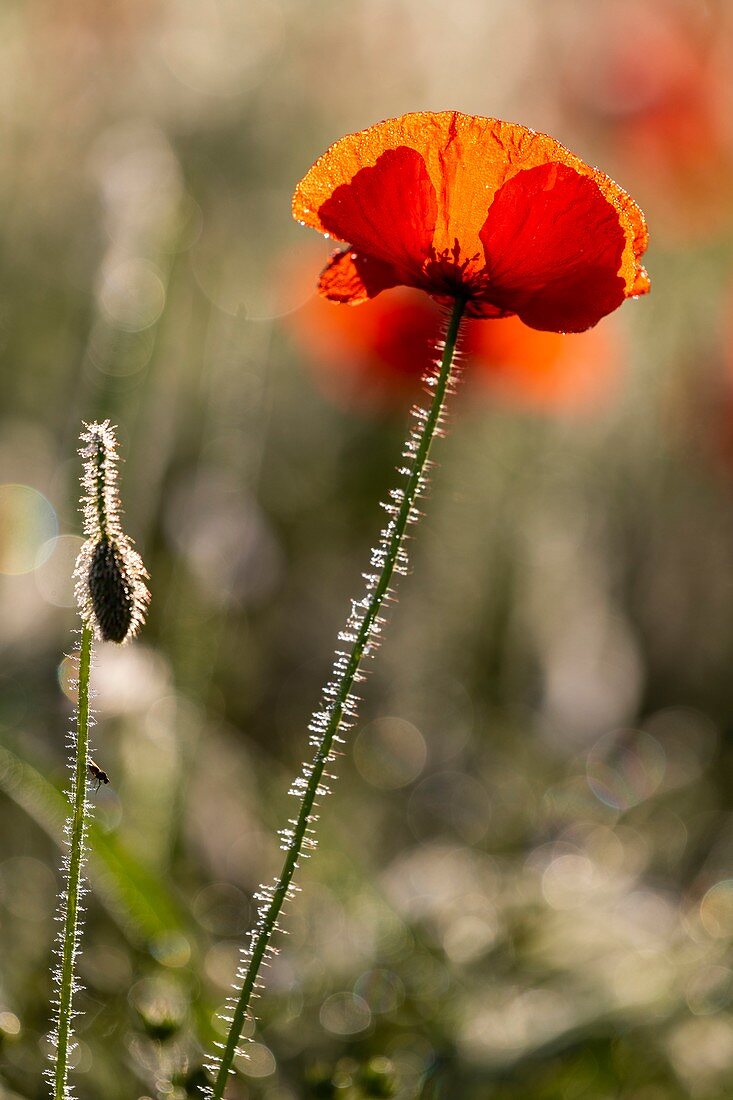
column 54, row 574
column 120, row 353
column 382, row 990
column 171, row 949
column 27, row 525
column 221, row 52
column 258, row 1061
column 132, row 294
column 390, row 753
column 27, row 889
column 716, row 910
column 625, row 767
column 709, row 990
column 345, row 1014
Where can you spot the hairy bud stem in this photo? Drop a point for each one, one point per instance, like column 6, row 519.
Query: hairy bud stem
column 112, row 598
column 71, row 899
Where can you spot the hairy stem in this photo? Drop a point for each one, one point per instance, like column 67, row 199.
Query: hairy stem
column 339, row 703
column 77, row 837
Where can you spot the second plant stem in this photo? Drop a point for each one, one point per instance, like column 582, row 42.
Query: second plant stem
column 77, row 837
column 339, row 706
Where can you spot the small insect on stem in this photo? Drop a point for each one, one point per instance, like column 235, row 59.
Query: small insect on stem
column 97, row 773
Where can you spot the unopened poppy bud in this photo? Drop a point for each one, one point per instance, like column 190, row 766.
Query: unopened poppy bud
column 110, row 575
column 110, row 595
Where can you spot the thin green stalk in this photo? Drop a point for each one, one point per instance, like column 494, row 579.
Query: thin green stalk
column 112, row 597
column 77, row 840
column 338, row 710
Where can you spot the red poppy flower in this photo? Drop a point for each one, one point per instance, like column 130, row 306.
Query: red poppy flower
column 474, row 208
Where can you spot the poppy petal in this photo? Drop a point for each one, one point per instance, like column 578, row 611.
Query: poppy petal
column 386, row 211
column 554, row 248
column 353, row 278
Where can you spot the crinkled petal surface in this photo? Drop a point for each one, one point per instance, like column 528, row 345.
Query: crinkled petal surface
column 352, row 278
column 422, row 186
column 553, row 249
column 387, row 211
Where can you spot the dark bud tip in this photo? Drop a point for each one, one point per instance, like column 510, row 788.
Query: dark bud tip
column 110, row 592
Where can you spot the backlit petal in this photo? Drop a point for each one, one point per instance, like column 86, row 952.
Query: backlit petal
column 387, row 211
column 352, row 278
column 468, row 159
column 554, row 247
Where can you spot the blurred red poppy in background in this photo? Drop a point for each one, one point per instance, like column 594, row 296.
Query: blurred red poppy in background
column 476, row 209
column 376, row 356
column 656, row 77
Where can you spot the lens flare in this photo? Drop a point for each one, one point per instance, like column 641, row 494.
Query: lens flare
column 27, row 526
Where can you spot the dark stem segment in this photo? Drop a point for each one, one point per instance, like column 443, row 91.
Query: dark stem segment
column 101, row 502
column 70, row 936
column 340, row 706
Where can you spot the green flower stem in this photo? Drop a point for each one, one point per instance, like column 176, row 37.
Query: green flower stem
column 77, row 838
column 340, row 708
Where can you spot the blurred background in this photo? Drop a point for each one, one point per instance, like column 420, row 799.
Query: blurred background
column 524, row 887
